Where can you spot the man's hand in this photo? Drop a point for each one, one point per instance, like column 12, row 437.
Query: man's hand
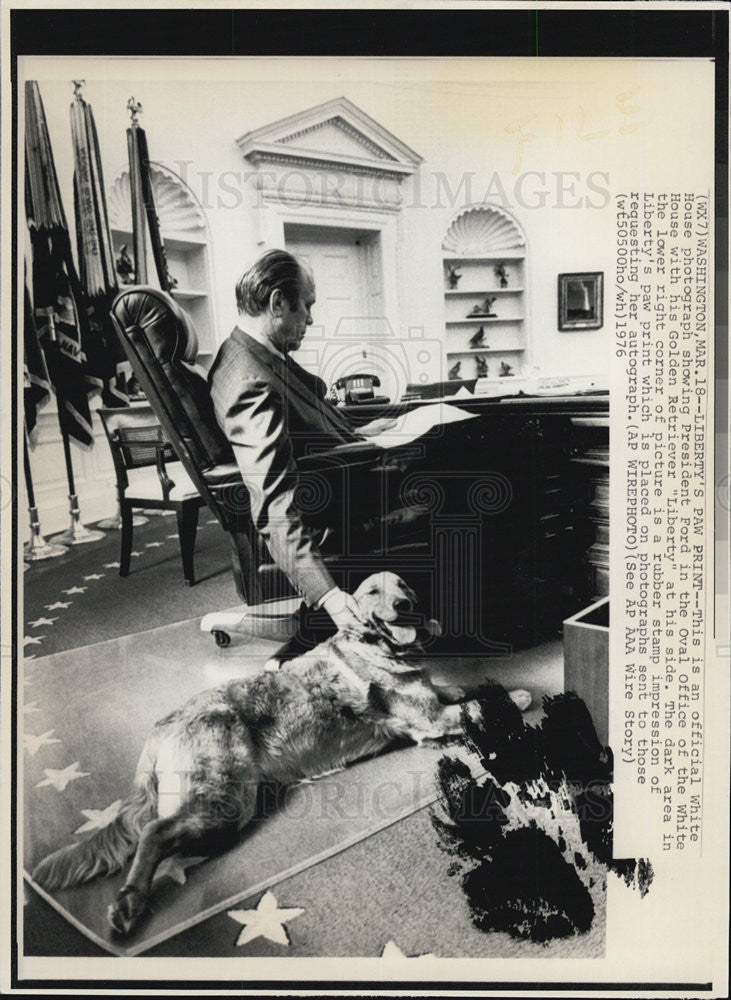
column 377, row 426
column 343, row 609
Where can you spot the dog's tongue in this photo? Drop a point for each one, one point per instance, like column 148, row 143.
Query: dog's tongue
column 404, row 635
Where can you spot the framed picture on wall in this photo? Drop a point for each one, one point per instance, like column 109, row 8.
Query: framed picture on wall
column 581, row 301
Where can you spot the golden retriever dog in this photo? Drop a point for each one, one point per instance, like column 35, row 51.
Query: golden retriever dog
column 197, row 778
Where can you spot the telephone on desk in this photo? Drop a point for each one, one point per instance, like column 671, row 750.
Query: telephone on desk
column 357, row 388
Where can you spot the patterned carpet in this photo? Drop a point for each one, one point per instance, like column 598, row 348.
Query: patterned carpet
column 370, row 876
column 79, row 598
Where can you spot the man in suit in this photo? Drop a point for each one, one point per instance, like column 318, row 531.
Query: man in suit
column 274, row 413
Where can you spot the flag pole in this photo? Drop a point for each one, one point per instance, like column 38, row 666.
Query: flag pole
column 144, row 209
column 139, row 248
column 96, row 261
column 57, row 297
column 37, row 547
column 77, row 533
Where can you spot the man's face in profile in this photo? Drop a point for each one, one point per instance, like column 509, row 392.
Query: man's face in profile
column 295, row 320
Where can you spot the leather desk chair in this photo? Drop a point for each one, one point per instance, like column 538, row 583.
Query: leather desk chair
column 161, row 344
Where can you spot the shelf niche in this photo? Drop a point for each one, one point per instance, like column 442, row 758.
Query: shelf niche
column 185, row 234
column 478, row 241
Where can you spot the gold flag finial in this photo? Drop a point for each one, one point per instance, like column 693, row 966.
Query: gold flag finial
column 78, row 88
column 135, row 108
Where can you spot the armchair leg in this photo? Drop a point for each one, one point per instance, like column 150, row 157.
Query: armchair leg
column 125, row 553
column 187, row 527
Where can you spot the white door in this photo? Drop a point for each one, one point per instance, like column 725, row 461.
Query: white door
column 346, row 267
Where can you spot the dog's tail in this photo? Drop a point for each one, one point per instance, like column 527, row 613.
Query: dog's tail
column 107, row 849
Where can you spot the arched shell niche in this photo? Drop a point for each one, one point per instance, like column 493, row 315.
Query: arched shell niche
column 484, row 262
column 185, row 235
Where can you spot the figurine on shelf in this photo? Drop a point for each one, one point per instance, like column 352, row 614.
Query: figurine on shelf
column 453, row 275
column 502, row 274
column 481, row 363
column 505, row 369
column 478, row 339
column 125, row 267
column 453, row 374
column 173, row 282
column 484, row 310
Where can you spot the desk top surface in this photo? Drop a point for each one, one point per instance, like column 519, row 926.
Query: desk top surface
column 578, row 404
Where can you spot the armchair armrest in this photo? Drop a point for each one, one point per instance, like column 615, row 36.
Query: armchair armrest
column 165, row 481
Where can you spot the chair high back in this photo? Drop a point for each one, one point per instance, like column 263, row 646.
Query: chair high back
column 160, row 341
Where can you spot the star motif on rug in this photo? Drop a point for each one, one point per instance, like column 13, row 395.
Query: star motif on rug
column 31, row 706
column 58, row 604
column 75, row 590
column 97, row 819
column 112, row 565
column 392, row 950
column 175, row 867
column 267, row 920
column 60, row 778
column 42, row 621
column 153, row 545
column 32, row 640
column 95, row 576
column 34, row 743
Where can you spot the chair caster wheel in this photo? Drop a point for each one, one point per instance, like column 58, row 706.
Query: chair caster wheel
column 223, row 639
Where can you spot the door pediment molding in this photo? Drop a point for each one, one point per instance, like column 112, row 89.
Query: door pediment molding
column 340, row 154
column 337, row 129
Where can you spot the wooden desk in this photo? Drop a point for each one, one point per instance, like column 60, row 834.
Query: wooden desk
column 511, row 512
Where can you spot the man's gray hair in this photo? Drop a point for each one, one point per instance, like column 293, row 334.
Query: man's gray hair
column 274, row 269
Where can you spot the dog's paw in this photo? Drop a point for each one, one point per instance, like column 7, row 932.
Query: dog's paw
column 451, row 694
column 521, row 698
column 126, row 910
column 444, row 739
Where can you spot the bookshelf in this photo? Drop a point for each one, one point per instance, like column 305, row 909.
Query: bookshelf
column 185, row 236
column 484, row 267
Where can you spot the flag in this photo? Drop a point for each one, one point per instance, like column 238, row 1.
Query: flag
column 96, row 260
column 36, row 381
column 60, row 314
column 143, row 204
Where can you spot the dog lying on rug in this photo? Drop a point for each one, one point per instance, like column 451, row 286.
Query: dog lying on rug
column 197, row 778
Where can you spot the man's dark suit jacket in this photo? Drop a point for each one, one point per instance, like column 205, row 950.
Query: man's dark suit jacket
column 273, row 412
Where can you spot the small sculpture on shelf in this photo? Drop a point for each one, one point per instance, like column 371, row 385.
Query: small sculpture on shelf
column 453, row 374
column 125, row 267
column 505, row 369
column 502, row 274
column 481, row 363
column 453, row 275
column 485, row 309
column 478, row 339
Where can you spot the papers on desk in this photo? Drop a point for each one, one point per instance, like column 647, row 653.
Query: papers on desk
column 412, row 425
column 463, row 393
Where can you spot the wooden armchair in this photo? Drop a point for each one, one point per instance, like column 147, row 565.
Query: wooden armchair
column 137, row 442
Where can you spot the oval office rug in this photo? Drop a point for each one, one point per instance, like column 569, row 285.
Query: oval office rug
column 363, row 834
